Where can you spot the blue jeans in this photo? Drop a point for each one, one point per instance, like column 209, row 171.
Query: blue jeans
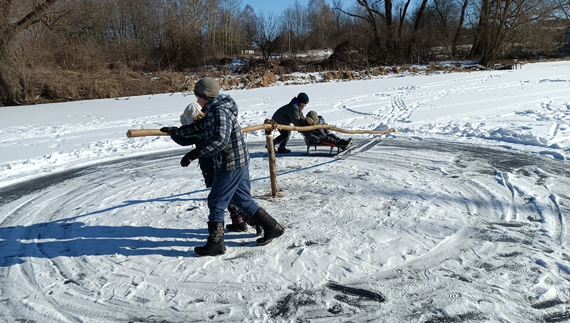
column 233, row 186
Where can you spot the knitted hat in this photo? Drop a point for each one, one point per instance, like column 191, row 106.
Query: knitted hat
column 313, row 116
column 192, row 111
column 207, row 88
column 303, row 98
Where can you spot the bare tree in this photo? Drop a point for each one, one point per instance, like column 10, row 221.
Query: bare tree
column 402, row 18
column 248, row 21
column 562, row 8
column 392, row 37
column 10, row 26
column 295, row 26
column 417, row 24
column 444, row 21
column 445, row 13
column 321, row 20
column 129, row 29
column 231, row 35
column 455, row 43
column 370, row 12
column 267, row 33
column 500, row 23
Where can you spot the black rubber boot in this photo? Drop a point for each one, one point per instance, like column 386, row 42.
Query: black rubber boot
column 283, row 150
column 271, row 228
column 215, row 245
column 343, row 144
column 258, row 229
column 238, row 224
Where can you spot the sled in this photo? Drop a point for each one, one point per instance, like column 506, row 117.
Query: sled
column 326, row 144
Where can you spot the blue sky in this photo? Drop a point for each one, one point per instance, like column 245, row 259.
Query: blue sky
column 275, row 7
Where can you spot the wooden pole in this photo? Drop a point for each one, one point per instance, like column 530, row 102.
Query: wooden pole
column 145, row 132
column 268, row 126
column 272, row 161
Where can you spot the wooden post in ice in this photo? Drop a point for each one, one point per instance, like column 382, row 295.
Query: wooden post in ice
column 272, row 160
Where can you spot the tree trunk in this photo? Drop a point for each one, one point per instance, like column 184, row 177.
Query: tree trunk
column 417, row 25
column 481, row 31
column 454, row 51
column 11, row 89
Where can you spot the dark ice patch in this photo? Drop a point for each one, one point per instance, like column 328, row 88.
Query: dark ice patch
column 547, row 304
column 307, row 243
column 459, row 277
column 289, row 305
column 357, row 292
column 466, row 317
column 509, row 224
column 336, row 309
column 510, row 254
column 557, row 317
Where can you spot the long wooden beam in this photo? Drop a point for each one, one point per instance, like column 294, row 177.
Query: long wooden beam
column 267, row 127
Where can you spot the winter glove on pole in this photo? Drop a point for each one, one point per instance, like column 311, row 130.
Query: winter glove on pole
column 189, row 157
column 169, row 130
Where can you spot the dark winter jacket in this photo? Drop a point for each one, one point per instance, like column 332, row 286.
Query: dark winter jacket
column 289, row 113
column 223, row 138
column 318, row 136
column 206, row 163
column 193, row 140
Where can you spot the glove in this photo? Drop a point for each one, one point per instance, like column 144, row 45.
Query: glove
column 199, row 116
column 189, row 157
column 169, row 130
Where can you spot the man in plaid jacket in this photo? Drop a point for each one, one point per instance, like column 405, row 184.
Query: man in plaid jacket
column 224, row 142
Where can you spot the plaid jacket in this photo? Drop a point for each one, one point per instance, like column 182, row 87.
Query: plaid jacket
column 223, row 139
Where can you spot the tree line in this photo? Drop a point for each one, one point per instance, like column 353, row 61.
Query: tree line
column 53, row 37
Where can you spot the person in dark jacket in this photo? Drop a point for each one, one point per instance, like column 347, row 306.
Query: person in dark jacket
column 224, row 142
column 287, row 114
column 322, row 136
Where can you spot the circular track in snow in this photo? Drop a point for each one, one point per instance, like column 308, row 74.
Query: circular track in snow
column 394, row 230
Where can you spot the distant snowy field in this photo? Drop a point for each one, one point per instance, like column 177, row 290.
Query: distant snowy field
column 459, row 216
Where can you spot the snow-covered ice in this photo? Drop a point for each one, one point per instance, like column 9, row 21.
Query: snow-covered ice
column 459, row 216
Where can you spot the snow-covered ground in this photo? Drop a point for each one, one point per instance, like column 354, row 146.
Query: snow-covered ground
column 459, row 216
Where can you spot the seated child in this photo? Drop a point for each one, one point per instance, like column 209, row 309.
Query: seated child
column 323, row 136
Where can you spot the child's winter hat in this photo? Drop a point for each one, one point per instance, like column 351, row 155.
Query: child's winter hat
column 313, row 116
column 192, row 111
column 207, row 88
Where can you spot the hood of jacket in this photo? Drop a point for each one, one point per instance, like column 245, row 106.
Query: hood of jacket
column 222, row 101
column 295, row 101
